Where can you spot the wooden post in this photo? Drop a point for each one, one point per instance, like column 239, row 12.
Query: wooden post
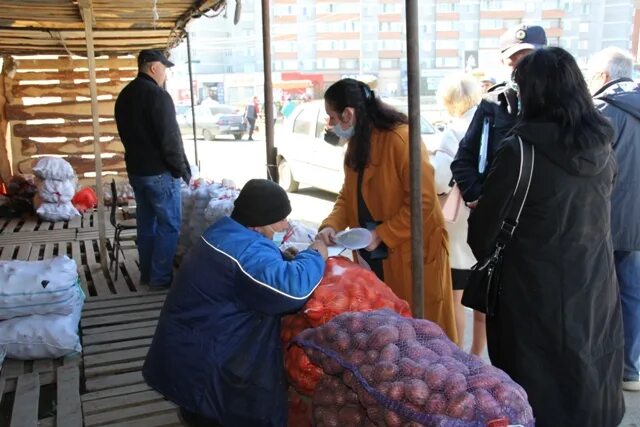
column 87, row 16
column 272, row 167
column 415, row 146
column 6, row 153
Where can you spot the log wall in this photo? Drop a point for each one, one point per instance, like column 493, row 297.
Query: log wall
column 49, row 109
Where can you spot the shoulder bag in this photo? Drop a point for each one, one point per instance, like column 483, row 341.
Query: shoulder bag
column 483, row 286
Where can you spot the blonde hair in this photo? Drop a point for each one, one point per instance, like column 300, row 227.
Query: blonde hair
column 458, row 93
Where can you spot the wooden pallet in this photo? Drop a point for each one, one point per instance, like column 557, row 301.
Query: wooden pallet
column 116, row 333
column 29, row 396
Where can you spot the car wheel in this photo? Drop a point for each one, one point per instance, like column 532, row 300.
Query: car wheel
column 237, row 136
column 285, row 177
column 207, row 135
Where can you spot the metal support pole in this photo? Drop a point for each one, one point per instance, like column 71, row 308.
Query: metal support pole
column 415, row 156
column 272, row 169
column 97, row 150
column 193, row 102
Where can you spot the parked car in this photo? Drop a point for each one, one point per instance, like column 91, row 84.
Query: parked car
column 308, row 154
column 213, row 121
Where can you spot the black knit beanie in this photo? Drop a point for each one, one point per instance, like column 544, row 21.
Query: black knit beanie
column 261, row 202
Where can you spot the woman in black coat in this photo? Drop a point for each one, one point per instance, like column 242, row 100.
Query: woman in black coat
column 558, row 327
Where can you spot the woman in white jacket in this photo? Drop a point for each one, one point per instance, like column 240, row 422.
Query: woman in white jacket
column 459, row 94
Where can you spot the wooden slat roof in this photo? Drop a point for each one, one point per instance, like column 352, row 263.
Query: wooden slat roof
column 30, row 27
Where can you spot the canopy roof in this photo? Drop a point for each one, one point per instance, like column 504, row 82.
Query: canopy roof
column 37, row 27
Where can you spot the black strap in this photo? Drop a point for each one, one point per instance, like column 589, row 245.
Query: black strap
column 527, row 158
column 364, row 219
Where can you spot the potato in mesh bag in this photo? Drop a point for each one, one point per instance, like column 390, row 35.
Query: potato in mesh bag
column 407, row 371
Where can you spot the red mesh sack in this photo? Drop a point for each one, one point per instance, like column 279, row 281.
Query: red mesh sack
column 335, row 404
column 347, row 286
column 85, row 199
column 406, row 372
column 299, row 412
column 301, row 373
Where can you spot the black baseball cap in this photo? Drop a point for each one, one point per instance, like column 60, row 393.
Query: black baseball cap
column 522, row 37
column 153, row 55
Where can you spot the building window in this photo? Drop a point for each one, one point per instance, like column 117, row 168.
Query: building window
column 446, row 7
column 442, row 25
column 447, row 44
column 584, row 27
column 488, row 43
column 447, row 62
column 389, row 64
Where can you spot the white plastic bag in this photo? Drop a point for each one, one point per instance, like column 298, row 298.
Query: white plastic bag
column 55, row 191
column 38, row 287
column 39, row 336
column 217, row 209
column 57, row 211
column 53, row 168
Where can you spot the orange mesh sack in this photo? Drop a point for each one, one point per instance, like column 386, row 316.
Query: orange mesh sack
column 347, row 287
column 299, row 413
column 301, row 373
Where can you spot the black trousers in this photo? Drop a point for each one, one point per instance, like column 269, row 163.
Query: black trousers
column 196, row 420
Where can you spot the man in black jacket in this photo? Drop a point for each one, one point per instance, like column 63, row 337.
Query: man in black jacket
column 494, row 118
column 155, row 158
column 618, row 98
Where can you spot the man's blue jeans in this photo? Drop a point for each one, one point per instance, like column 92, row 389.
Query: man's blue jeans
column 628, row 271
column 158, row 216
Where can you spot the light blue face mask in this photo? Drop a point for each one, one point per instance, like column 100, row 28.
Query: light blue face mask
column 343, row 133
column 278, row 236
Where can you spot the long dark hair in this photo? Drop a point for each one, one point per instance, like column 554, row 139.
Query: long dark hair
column 371, row 113
column 552, row 88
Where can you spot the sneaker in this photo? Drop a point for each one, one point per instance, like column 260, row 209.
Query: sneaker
column 631, row 385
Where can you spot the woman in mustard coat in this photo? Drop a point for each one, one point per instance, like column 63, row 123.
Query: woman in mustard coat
column 375, row 195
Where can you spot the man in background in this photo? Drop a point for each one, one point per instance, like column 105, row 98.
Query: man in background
column 251, row 115
column 617, row 96
column 495, row 116
column 154, row 154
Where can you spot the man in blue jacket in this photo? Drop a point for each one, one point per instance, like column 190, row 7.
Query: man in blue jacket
column 495, row 116
column 617, row 96
column 216, row 352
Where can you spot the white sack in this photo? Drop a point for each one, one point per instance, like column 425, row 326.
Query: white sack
column 57, row 211
column 38, row 287
column 53, row 168
column 54, row 191
column 39, row 336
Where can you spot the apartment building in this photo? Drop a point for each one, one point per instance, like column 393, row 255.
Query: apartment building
column 367, row 38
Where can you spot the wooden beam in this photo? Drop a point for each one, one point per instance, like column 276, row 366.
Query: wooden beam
column 75, row 44
column 67, row 90
column 69, row 130
column 95, row 112
column 80, row 165
column 68, row 64
column 64, row 110
column 70, row 76
column 31, row 148
column 6, row 153
column 71, row 34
